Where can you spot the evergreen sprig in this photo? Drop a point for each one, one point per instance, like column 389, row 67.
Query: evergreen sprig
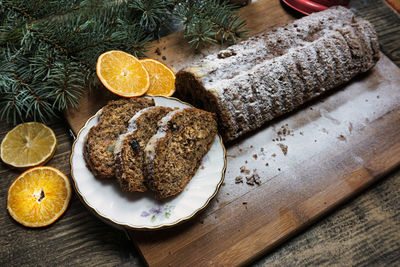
column 48, row 49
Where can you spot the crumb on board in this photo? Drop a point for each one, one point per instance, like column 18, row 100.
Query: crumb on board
column 279, row 169
column 202, row 167
column 164, row 58
column 238, row 179
column 284, row 148
column 244, row 170
column 273, row 155
column 253, row 179
column 342, row 137
column 255, row 156
column 267, row 164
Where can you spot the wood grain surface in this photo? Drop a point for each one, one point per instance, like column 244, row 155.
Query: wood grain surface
column 337, row 155
column 364, row 231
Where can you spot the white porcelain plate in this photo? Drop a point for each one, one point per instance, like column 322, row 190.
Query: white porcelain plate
column 142, row 210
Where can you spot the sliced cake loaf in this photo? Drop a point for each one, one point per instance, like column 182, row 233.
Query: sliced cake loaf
column 101, row 139
column 174, row 153
column 259, row 79
column 129, row 149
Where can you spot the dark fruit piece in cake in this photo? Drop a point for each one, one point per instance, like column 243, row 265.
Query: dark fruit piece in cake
column 174, row 154
column 130, row 147
column 100, row 143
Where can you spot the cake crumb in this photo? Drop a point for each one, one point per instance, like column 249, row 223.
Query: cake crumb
column 342, row 137
column 223, row 184
column 250, row 181
column 267, row 164
column 251, row 146
column 253, row 179
column 164, row 58
column 350, row 127
column 279, row 169
column 255, row 156
column 245, row 161
column 301, row 133
column 244, row 203
column 273, row 155
column 238, row 179
column 244, row 170
column 284, row 148
column 157, row 51
column 202, row 167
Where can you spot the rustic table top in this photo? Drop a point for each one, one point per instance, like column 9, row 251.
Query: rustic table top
column 365, row 230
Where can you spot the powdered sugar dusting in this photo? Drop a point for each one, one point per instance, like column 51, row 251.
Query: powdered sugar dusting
column 273, row 73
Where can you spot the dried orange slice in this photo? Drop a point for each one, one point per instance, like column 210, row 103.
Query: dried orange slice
column 162, row 78
column 122, row 73
column 28, row 144
column 39, row 196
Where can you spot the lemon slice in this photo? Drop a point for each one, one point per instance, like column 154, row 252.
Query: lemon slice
column 28, row 144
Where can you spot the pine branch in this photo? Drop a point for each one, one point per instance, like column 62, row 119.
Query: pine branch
column 49, row 49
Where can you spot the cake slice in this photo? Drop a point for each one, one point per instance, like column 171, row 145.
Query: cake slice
column 174, row 154
column 130, row 146
column 101, row 139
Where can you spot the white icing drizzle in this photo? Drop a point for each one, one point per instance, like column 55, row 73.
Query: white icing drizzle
column 132, row 126
column 161, row 132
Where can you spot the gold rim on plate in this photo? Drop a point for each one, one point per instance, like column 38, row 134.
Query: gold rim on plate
column 144, row 227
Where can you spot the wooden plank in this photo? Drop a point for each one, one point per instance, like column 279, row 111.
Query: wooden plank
column 234, row 230
column 231, row 232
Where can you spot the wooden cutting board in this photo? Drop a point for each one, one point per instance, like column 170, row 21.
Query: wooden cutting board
column 309, row 162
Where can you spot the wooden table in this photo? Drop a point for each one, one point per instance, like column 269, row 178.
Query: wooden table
column 365, row 230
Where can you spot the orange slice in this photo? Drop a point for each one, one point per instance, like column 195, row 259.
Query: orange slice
column 122, row 74
column 39, row 196
column 162, row 78
column 28, row 144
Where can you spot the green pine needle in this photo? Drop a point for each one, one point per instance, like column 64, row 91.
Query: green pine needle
column 49, row 49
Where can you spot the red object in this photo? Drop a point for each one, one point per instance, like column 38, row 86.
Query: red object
column 309, row 6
